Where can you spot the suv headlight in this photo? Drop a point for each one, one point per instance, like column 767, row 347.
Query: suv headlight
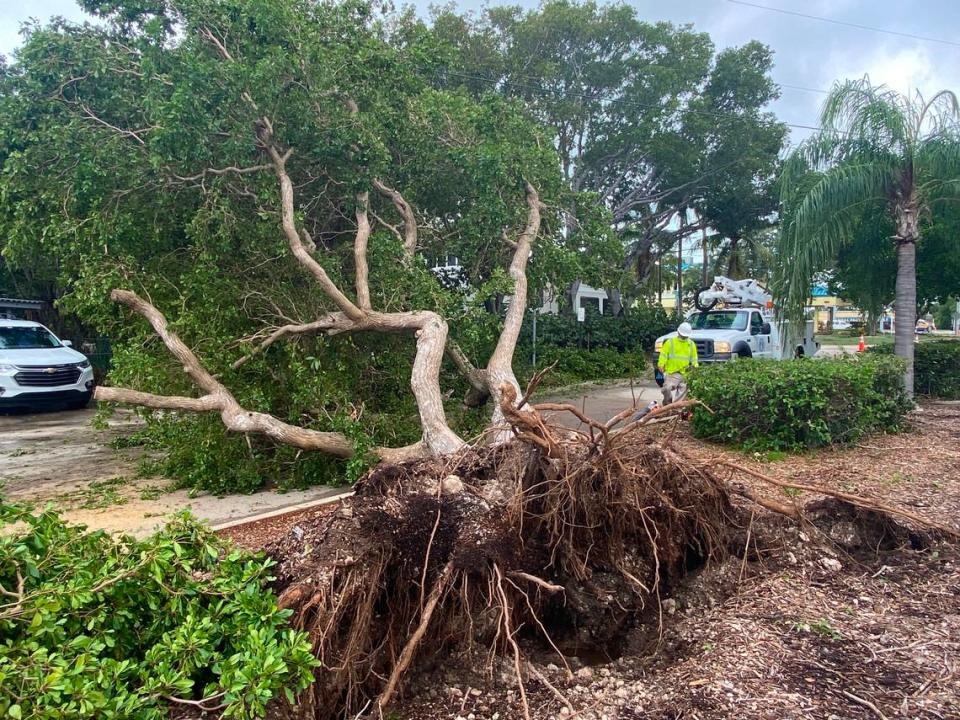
column 6, row 368
column 721, row 346
column 83, row 364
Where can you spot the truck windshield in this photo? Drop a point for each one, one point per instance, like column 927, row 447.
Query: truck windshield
column 26, row 338
column 719, row 320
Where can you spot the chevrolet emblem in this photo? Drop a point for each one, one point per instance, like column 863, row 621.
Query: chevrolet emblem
column 50, row 371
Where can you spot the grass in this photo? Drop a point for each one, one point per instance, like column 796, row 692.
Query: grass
column 846, row 340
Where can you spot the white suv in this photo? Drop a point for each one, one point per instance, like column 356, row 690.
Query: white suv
column 38, row 370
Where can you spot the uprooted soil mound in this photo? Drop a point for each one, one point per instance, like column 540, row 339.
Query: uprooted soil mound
column 569, row 545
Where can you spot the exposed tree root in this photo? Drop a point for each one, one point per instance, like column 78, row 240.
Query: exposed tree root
column 560, row 538
column 567, row 537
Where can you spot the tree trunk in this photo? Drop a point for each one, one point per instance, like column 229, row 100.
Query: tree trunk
column 905, row 302
column 614, row 302
column 500, row 366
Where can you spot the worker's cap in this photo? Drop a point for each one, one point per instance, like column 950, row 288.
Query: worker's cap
column 684, row 330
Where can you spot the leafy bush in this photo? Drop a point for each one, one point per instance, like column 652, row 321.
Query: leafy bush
column 634, row 331
column 573, row 366
column 795, row 404
column 93, row 626
column 936, row 367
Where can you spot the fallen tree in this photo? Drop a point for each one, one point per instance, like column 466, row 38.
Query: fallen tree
column 556, row 536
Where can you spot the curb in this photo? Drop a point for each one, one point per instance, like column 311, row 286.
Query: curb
column 278, row 512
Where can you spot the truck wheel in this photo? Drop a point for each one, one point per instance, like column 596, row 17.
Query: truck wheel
column 799, row 353
column 743, row 353
column 703, row 307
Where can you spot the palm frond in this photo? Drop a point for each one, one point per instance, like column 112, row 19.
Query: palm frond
column 872, row 115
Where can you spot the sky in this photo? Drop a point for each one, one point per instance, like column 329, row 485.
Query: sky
column 808, row 53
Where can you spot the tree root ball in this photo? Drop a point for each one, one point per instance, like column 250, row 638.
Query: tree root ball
column 491, row 545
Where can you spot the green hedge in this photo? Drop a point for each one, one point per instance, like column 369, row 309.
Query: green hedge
column 637, row 330
column 93, row 626
column 574, row 366
column 936, row 367
column 796, row 404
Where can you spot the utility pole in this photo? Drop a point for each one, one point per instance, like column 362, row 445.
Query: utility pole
column 659, row 283
column 679, row 273
column 706, row 256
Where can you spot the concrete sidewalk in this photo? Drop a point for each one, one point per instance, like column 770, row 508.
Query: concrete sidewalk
column 602, row 401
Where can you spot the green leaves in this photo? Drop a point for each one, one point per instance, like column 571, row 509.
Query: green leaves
column 797, row 404
column 936, row 364
column 878, row 150
column 108, row 627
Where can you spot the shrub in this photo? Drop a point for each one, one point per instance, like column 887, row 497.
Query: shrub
column 936, row 367
column 637, row 330
column 795, row 404
column 104, row 627
column 573, row 366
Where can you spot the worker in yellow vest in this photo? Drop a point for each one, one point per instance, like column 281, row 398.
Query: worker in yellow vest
column 677, row 355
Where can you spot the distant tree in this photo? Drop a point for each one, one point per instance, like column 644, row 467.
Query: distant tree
column 875, row 145
column 644, row 115
column 864, row 270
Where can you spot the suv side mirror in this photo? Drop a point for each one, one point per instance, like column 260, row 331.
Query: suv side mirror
column 66, row 343
column 765, row 329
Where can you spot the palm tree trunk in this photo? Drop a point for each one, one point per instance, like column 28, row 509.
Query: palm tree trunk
column 905, row 302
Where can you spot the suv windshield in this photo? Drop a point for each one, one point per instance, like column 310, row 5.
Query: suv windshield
column 719, row 320
column 26, row 338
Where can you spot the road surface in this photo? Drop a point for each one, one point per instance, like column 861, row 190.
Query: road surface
column 59, row 457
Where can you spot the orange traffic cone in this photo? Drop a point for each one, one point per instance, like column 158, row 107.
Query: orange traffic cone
column 861, row 346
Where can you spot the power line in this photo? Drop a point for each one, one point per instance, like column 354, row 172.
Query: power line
column 794, row 13
column 801, row 87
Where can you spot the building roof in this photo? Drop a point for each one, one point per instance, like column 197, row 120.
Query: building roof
column 21, row 304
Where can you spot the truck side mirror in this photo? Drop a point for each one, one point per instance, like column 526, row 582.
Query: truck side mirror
column 765, row 329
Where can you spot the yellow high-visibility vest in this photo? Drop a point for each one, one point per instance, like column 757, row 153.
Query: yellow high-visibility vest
column 677, row 354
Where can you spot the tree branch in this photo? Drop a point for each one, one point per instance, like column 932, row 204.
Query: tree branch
column 406, row 212
column 324, row 324
column 237, row 419
column 362, row 272
column 500, row 366
column 295, row 242
column 477, row 378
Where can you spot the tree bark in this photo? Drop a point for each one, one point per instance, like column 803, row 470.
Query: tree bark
column 406, row 212
column 217, row 398
column 500, row 366
column 905, row 302
column 361, row 271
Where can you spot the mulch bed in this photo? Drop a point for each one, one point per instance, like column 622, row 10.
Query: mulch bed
column 257, row 534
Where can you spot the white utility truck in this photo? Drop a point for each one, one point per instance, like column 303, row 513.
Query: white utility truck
column 735, row 319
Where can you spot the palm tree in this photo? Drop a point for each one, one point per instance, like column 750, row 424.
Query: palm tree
column 875, row 145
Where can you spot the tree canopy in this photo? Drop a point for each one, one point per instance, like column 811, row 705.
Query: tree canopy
column 171, row 149
column 645, row 115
